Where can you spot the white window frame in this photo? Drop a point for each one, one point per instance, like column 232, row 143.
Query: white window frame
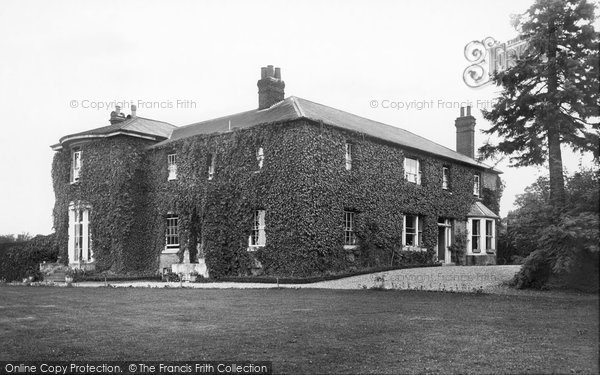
column 80, row 234
column 446, row 178
column 211, row 166
column 260, row 157
column 75, row 165
column 172, row 166
column 412, row 170
column 258, row 236
column 482, row 235
column 417, row 225
column 490, row 235
column 172, row 233
column 475, row 245
column 476, row 184
column 349, row 229
column 348, row 156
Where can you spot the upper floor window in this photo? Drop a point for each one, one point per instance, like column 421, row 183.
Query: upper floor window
column 412, row 170
column 75, row 165
column 445, row 178
column 211, row 166
column 260, row 157
column 348, row 156
column 172, row 233
column 349, row 229
column 172, row 167
column 476, row 185
column 258, row 236
column 413, row 230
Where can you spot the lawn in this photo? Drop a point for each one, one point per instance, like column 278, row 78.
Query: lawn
column 306, row 331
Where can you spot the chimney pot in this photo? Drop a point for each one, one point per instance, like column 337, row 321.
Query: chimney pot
column 133, row 110
column 270, row 87
column 468, row 110
column 118, row 110
column 462, row 111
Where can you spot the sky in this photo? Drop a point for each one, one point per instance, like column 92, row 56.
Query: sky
column 66, row 64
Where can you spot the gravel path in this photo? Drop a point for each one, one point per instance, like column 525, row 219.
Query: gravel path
column 453, row 278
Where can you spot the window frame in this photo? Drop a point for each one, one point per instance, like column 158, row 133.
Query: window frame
column 211, row 165
column 260, row 157
column 350, row 240
column 489, row 236
column 258, row 234
column 348, row 155
column 445, row 177
column 76, row 165
column 476, row 184
column 409, row 176
column 172, row 243
column 417, row 225
column 80, row 245
column 475, row 236
column 172, row 166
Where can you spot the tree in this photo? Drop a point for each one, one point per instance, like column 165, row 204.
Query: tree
column 550, row 95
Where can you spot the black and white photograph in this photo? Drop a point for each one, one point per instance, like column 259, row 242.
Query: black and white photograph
column 299, row 187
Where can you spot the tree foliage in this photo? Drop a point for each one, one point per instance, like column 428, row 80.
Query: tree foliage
column 550, row 95
column 563, row 245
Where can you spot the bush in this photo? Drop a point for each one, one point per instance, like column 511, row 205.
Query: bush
column 22, row 259
column 535, row 272
column 567, row 255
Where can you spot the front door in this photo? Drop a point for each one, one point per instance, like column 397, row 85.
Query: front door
column 444, row 240
column 442, row 243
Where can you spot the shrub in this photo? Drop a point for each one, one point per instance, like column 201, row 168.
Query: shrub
column 567, row 255
column 22, row 260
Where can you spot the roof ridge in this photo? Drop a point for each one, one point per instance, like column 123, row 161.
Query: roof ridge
column 151, row 119
column 297, row 106
column 215, row 119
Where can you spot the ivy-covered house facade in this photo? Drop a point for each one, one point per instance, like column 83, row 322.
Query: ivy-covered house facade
column 292, row 188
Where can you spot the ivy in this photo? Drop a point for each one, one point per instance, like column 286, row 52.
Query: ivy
column 303, row 186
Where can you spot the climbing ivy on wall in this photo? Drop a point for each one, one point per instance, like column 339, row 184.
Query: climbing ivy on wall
column 303, row 186
column 111, row 182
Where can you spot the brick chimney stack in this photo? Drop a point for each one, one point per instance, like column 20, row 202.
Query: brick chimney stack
column 116, row 116
column 270, row 87
column 465, row 133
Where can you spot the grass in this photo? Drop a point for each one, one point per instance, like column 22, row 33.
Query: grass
column 305, row 331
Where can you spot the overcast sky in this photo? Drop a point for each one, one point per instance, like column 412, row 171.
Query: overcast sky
column 187, row 61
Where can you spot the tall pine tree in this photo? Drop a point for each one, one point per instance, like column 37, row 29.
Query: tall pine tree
column 550, row 96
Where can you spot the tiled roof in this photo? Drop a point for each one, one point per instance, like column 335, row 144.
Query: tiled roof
column 294, row 108
column 135, row 126
column 478, row 209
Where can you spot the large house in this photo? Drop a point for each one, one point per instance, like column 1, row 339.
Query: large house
column 291, row 188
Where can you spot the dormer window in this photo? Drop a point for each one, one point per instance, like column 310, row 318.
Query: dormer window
column 348, row 156
column 75, row 165
column 211, row 166
column 260, row 157
column 412, row 170
column 476, row 185
column 172, row 167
